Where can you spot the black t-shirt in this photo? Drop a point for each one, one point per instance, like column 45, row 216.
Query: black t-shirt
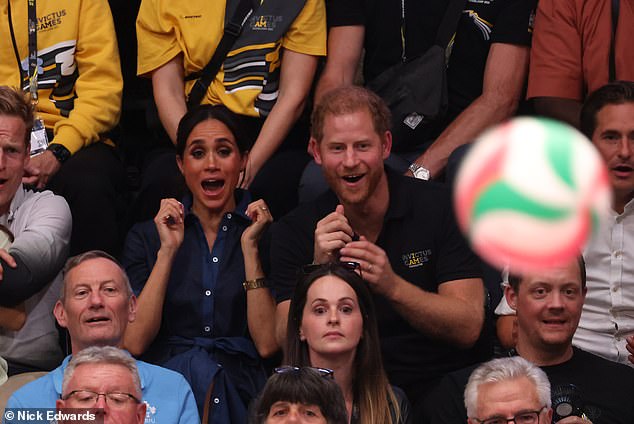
column 424, row 246
column 483, row 22
column 606, row 388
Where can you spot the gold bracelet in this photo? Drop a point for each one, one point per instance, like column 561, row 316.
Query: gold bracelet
column 258, row 283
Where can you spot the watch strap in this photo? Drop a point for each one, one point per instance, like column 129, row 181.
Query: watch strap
column 257, row 283
column 60, row 152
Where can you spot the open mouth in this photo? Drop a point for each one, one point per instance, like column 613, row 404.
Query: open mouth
column 623, row 169
column 352, row 178
column 212, row 185
column 97, row 319
column 3, row 180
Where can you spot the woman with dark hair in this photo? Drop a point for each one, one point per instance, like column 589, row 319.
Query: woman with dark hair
column 203, row 306
column 300, row 395
column 332, row 324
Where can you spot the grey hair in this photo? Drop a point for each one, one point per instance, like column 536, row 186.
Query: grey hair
column 77, row 260
column 504, row 369
column 103, row 355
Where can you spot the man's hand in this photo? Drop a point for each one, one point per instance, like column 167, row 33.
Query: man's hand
column 40, row 169
column 5, row 256
column 331, row 234
column 374, row 263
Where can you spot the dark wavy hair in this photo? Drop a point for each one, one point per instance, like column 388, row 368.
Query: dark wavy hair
column 370, row 384
column 203, row 113
column 305, row 386
column 614, row 93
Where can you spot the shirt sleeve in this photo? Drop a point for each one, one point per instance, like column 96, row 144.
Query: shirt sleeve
column 555, row 63
column 291, row 248
column 345, row 13
column 307, row 34
column 40, row 250
column 156, row 37
column 99, row 85
column 514, row 25
column 135, row 258
column 456, row 259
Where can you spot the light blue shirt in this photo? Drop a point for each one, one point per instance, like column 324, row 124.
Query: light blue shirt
column 166, row 393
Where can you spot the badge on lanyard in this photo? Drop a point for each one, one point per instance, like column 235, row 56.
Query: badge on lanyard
column 39, row 139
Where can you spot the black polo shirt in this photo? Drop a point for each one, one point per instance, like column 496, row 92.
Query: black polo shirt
column 424, row 246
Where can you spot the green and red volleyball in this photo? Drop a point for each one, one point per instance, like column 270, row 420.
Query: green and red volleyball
column 530, row 193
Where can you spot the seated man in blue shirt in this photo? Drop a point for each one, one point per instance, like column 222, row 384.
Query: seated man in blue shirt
column 96, row 305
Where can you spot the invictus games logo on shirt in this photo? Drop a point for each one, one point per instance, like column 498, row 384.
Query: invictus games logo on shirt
column 416, row 259
column 50, row 21
column 264, row 22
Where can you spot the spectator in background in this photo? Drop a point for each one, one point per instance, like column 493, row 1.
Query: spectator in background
column 36, row 232
column 105, row 379
column 332, row 324
column 487, row 61
column 607, row 320
column 266, row 78
column 77, row 80
column 548, row 306
column 96, row 306
column 570, row 57
column 300, row 395
column 508, row 389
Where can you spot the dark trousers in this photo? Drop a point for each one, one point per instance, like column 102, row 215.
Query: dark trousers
column 93, row 183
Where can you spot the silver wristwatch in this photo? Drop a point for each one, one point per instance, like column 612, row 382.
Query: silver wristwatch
column 419, row 171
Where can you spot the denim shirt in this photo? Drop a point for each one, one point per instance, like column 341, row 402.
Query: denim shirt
column 205, row 303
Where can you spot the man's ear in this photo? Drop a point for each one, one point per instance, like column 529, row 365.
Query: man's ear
column 60, row 314
column 140, row 412
column 387, row 144
column 511, row 297
column 59, row 404
column 132, row 308
column 313, row 148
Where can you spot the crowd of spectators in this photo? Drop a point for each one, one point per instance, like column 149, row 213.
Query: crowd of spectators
column 275, row 219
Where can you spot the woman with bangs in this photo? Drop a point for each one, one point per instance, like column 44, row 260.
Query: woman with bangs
column 332, row 325
column 203, row 305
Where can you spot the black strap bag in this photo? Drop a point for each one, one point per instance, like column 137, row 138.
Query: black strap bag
column 416, row 90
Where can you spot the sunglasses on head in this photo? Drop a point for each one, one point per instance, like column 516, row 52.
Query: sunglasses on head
column 324, row 372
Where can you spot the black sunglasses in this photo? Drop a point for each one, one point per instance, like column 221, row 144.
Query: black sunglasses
column 324, row 372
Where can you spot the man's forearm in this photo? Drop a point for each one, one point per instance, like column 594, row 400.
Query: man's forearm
column 20, row 283
column 443, row 316
column 479, row 116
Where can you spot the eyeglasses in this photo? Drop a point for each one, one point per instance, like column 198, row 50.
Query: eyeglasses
column 350, row 266
column 526, row 417
column 324, row 372
column 88, row 398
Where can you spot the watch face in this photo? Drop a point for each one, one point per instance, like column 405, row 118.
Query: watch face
column 422, row 174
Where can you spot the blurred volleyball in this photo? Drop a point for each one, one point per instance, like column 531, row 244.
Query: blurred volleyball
column 530, row 193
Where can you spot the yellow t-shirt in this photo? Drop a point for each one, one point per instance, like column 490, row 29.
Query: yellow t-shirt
column 248, row 80
column 80, row 83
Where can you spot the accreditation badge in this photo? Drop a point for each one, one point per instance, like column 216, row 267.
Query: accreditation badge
column 39, row 140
